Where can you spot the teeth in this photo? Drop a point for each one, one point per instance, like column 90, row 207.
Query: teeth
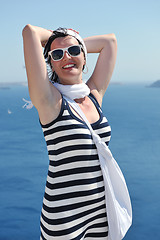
column 69, row 65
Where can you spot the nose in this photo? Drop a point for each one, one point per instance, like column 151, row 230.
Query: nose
column 66, row 55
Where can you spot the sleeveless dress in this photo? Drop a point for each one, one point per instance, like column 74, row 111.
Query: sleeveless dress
column 74, row 200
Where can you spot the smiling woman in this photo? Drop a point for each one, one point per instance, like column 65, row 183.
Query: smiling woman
column 74, row 204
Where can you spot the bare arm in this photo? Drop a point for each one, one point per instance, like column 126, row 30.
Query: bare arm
column 42, row 93
column 106, row 45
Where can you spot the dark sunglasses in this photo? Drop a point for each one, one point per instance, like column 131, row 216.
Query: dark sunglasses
column 58, row 54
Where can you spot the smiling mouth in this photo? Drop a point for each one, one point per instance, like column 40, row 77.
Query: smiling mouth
column 68, row 66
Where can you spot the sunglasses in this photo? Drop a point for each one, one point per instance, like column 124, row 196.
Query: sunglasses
column 58, row 54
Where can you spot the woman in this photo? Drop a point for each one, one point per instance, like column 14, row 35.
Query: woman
column 74, row 201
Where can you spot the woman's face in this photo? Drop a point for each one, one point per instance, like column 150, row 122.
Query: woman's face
column 68, row 69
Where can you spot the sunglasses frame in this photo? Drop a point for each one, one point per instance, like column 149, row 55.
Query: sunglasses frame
column 64, row 50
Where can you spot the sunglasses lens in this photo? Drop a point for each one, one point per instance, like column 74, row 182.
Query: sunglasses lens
column 57, row 54
column 74, row 50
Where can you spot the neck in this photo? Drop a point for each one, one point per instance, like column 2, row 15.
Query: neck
column 72, row 81
column 80, row 100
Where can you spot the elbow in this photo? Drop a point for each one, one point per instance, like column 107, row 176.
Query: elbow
column 26, row 29
column 113, row 38
column 110, row 40
column 110, row 44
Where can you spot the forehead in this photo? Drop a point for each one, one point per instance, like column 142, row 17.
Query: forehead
column 62, row 42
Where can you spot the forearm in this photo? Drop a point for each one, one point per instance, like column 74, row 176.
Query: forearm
column 106, row 46
column 95, row 44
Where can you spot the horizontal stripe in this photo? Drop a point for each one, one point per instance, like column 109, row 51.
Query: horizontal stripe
column 78, row 194
column 76, row 208
column 74, row 183
column 105, row 134
column 73, row 159
column 103, row 227
column 107, row 139
column 102, row 128
column 78, row 176
column 73, row 188
column 73, row 153
column 78, row 237
column 67, row 133
column 69, row 137
column 98, row 225
column 68, row 126
column 49, row 228
column 73, row 171
column 72, row 202
column 73, row 165
column 71, row 148
column 94, row 235
column 64, row 120
column 71, row 142
column 74, row 219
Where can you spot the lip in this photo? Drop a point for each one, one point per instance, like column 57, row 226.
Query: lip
column 69, row 65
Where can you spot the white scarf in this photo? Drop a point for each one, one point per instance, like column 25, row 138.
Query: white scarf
column 118, row 203
column 74, row 91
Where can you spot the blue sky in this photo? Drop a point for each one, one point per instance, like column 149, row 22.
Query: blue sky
column 135, row 23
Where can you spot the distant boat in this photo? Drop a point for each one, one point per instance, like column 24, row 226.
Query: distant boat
column 9, row 112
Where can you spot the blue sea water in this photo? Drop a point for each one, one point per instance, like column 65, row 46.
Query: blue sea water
column 133, row 112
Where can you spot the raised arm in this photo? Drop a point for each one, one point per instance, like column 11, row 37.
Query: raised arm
column 106, row 46
column 40, row 89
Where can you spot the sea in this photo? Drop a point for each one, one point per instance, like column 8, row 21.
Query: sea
column 133, row 111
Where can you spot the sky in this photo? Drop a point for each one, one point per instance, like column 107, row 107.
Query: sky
column 136, row 25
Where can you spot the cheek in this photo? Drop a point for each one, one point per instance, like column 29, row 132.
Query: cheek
column 54, row 66
column 83, row 59
column 83, row 62
column 80, row 59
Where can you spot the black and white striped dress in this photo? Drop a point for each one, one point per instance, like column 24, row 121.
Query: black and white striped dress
column 74, row 200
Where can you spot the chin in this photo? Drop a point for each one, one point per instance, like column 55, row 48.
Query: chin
column 71, row 79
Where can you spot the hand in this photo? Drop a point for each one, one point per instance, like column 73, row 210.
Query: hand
column 43, row 43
